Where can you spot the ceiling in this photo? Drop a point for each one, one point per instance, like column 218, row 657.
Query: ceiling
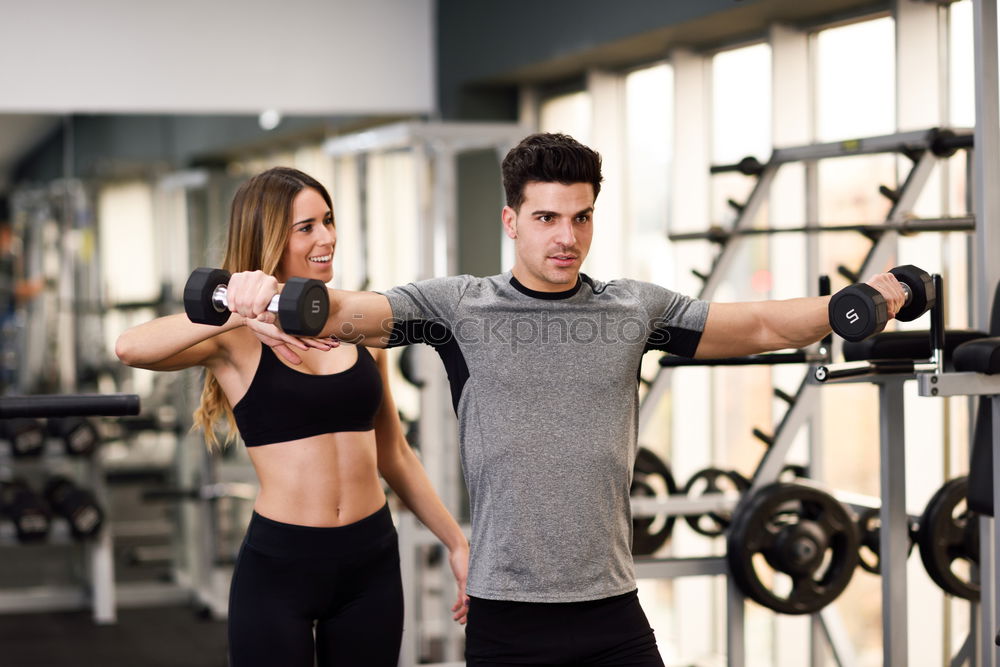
column 18, row 134
column 739, row 22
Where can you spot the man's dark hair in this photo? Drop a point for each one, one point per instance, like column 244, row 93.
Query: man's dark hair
column 549, row 158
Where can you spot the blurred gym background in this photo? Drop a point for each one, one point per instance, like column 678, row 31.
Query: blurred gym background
column 125, row 128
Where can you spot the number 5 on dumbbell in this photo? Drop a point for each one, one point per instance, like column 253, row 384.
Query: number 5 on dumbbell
column 859, row 311
column 302, row 307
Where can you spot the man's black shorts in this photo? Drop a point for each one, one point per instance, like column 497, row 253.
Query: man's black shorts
column 610, row 631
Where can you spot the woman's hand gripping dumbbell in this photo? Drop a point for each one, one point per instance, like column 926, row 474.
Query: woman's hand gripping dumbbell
column 302, row 306
column 859, row 311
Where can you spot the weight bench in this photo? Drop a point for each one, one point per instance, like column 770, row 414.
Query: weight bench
column 903, row 345
column 982, row 356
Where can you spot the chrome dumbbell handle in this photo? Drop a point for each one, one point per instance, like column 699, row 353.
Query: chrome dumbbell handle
column 221, row 304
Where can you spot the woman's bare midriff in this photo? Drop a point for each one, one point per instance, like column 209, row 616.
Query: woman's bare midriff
column 324, row 480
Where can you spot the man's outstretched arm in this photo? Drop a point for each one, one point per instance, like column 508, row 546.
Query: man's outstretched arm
column 364, row 318
column 356, row 317
column 738, row 329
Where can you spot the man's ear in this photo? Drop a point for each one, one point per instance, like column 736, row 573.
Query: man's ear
column 509, row 217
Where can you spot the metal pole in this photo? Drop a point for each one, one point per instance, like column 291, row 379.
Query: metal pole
column 986, row 158
column 988, row 603
column 893, row 536
column 101, row 553
column 735, row 627
column 986, row 265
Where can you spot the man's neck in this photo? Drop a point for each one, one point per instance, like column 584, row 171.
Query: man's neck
column 531, row 282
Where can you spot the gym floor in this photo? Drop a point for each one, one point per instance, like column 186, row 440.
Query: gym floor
column 151, row 637
column 143, row 637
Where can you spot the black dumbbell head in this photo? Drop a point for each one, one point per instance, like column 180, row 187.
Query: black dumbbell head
column 26, row 436
column 198, row 296
column 78, row 506
column 78, row 434
column 303, row 307
column 26, row 510
column 922, row 293
column 9, row 491
column 857, row 312
column 56, row 489
column 85, row 516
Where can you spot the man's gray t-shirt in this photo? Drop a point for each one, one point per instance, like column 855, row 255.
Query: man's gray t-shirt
column 545, row 389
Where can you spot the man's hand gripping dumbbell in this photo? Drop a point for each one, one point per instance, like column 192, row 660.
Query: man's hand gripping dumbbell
column 861, row 310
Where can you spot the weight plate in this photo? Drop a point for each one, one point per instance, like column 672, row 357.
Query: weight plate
column 870, row 534
column 651, row 478
column 793, row 471
column 949, row 540
column 792, row 548
column 713, row 480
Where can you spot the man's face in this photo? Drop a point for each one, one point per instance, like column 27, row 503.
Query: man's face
column 552, row 233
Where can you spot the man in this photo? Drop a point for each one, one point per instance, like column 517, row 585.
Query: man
column 543, row 362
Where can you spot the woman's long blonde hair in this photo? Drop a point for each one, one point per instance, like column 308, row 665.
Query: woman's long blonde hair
column 259, row 223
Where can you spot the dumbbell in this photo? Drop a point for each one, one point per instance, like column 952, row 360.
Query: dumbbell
column 78, row 506
column 78, row 434
column 26, row 436
column 859, row 311
column 302, row 307
column 20, row 504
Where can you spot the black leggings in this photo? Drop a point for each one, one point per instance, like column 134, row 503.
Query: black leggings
column 331, row 595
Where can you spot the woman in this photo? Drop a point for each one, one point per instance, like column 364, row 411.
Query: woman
column 320, row 553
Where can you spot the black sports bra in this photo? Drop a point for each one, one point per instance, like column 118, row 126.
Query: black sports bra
column 283, row 404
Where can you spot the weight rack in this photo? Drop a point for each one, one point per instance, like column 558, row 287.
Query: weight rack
column 99, row 554
column 923, row 147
